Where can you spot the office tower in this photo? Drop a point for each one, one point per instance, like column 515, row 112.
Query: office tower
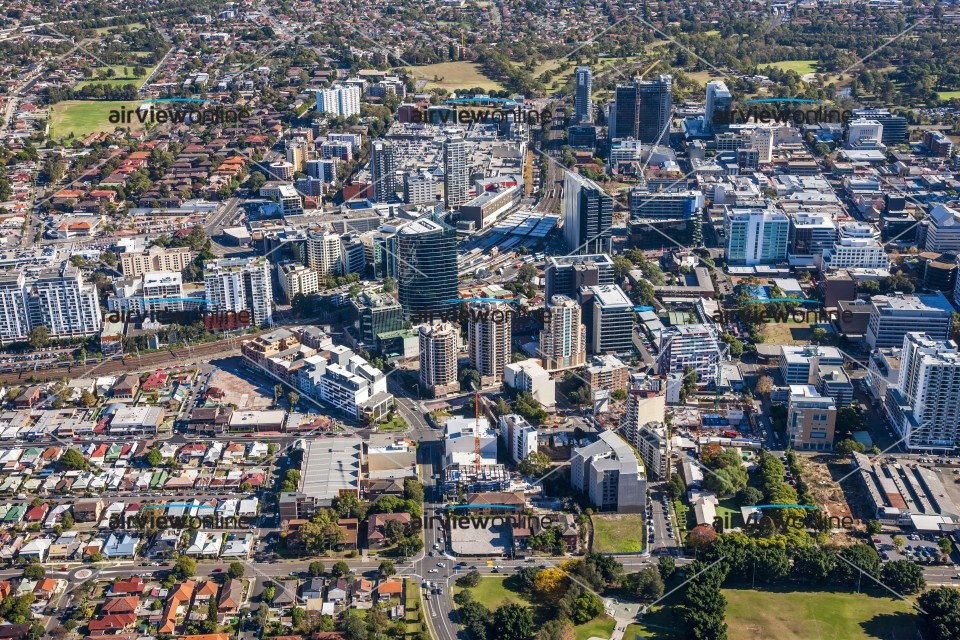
column 324, row 250
column 858, row 245
column 353, row 254
column 155, row 258
column 623, row 112
column 894, row 316
column 923, row 404
column 339, row 100
column 583, row 101
column 587, row 215
column 719, row 105
column 425, row 254
column 937, row 143
column 297, row 279
column 942, row 230
column 563, row 341
column 610, row 474
column 811, row 233
column 456, row 173
column 240, row 284
column 383, row 171
column 811, row 419
column 613, row 321
column 567, row 274
column 57, row 299
column 418, row 188
column 439, row 345
column 654, row 109
column 895, row 128
column 377, row 313
column 697, row 346
column 490, row 335
column 756, row 236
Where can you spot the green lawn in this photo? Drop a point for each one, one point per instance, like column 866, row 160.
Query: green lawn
column 948, row 95
column 133, row 26
column 621, row 533
column 601, row 627
column 816, row 615
column 802, row 67
column 493, row 593
column 123, row 74
column 730, row 506
column 455, row 75
column 83, row 117
column 411, row 600
column 397, row 423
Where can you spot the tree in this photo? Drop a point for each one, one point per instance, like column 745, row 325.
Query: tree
column 903, row 576
column 859, row 559
column 848, row 421
column 315, row 569
column 74, row 460
column 701, row 536
column 386, row 569
column 469, row 580
column 39, row 337
column 819, row 334
column 550, row 584
column 34, row 572
column 749, row 496
column 648, row 584
column 874, row 527
column 534, row 465
column 557, row 630
column 675, row 487
column 412, row 489
column 235, row 570
column 87, row 399
column 946, row 546
column 942, row 612
column 154, row 458
column 67, row 521
column 848, row 446
column 813, row 564
column 185, row 567
column 512, row 622
column 586, row 607
column 764, row 385
column 527, row 273
column 293, row 398
column 340, row 569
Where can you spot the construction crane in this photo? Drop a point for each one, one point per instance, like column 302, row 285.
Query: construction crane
column 649, row 69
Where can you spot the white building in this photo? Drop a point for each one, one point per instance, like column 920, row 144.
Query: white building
column 489, row 333
column 863, row 132
column 799, row 363
column 692, row 345
column 756, row 236
column 519, row 436
column 858, row 246
column 892, row 317
column 460, row 439
column 439, row 345
column 355, row 387
column 652, row 441
column 529, row 376
column 297, row 279
column 646, row 403
column 942, row 230
column 339, row 100
column 923, row 405
column 610, row 474
column 456, row 172
column 324, row 251
column 563, row 341
column 57, row 299
column 240, row 284
column 285, row 195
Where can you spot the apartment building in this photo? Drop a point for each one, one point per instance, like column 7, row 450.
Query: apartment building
column 893, row 317
column 857, row 246
column 610, row 474
column 606, row 372
column 285, row 195
column 297, row 279
column 566, row 275
column 652, row 441
column 756, row 236
column 646, row 403
column 798, row 363
column 613, row 321
column 490, row 336
column 377, row 313
column 339, row 100
column 941, row 230
column 238, row 284
column 324, row 251
column 527, row 375
column 439, row 345
column 519, row 437
column 57, row 299
column 563, row 341
column 156, row 258
column 692, row 345
column 587, row 215
column 811, row 419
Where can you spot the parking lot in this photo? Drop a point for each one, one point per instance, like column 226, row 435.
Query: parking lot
column 916, row 548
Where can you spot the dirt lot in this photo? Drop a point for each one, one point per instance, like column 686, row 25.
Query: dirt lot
column 240, row 392
column 838, row 500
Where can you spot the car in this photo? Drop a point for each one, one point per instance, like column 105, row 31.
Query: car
column 64, row 568
column 218, row 570
column 432, row 571
column 441, row 565
column 432, row 554
column 494, row 570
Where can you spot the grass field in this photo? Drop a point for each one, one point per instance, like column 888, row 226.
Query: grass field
column 621, row 533
column 124, row 75
column 802, row 67
column 948, row 95
column 134, row 26
column 455, row 75
column 601, row 627
column 83, row 117
column 411, row 600
column 817, row 615
column 703, row 77
column 789, row 332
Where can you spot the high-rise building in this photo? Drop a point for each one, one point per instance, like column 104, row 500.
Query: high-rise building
column 376, row 313
column 456, row 172
column 324, row 251
column 155, row 258
column 895, row 128
column 756, row 236
column 811, row 419
column 240, row 284
column 719, row 105
column 57, row 299
column 383, row 170
column 942, row 230
column 864, row 133
column 285, row 195
column 654, row 109
column 418, row 188
column 857, row 246
column 583, row 100
column 439, row 345
column 297, row 279
column 519, row 436
column 623, row 112
column 646, row 404
column 613, row 321
column 490, row 335
column 425, row 252
column 894, row 316
column 653, row 444
column 923, row 404
column 563, row 341
column 339, row 100
column 587, row 215
column 697, row 346
column 608, row 472
column 527, row 375
column 566, row 275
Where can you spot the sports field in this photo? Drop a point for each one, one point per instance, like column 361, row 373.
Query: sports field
column 454, row 75
column 802, row 67
column 83, row 117
column 123, row 74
